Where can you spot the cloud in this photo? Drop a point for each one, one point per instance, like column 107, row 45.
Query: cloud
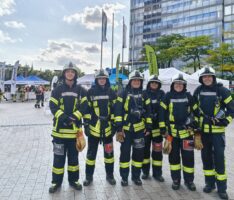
column 92, row 49
column 5, row 38
column 14, row 24
column 6, row 7
column 91, row 16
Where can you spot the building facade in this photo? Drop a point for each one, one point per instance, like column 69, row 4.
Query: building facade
column 152, row 18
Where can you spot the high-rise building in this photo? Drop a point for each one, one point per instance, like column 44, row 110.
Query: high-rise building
column 153, row 18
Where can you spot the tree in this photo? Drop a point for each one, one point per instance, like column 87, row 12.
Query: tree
column 195, row 48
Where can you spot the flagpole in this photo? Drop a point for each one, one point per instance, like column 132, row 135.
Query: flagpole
column 123, row 46
column 101, row 42
column 112, row 47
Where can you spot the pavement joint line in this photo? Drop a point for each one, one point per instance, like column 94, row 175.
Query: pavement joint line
column 13, row 125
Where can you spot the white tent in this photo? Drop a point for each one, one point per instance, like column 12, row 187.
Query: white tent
column 86, row 80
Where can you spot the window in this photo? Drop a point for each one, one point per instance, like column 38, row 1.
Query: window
column 228, row 10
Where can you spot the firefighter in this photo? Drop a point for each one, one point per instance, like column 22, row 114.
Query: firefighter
column 133, row 123
column 22, row 93
column 38, row 97
column 177, row 114
column 68, row 103
column 100, row 129
column 155, row 94
column 216, row 112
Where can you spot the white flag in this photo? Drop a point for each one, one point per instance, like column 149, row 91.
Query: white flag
column 104, row 26
column 124, row 45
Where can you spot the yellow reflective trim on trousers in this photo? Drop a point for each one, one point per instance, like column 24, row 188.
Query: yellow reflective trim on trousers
column 209, row 172
column 162, row 124
column 221, row 177
column 124, row 164
column 147, row 102
column 188, row 169
column 109, row 160
column 148, row 120
column 55, row 101
column 120, row 99
column 171, row 117
column 228, row 100
column 73, row 168
column 156, row 132
column 118, row 119
column 146, row 161
column 83, row 100
column 136, row 164
column 157, row 163
column 126, row 104
column 163, row 105
column 175, row 167
column 78, row 114
column 87, row 116
column 58, row 170
column 90, row 162
column 58, row 113
column 63, row 135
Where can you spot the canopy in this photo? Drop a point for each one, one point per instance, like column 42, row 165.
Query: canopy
column 30, row 80
column 20, row 80
column 112, row 78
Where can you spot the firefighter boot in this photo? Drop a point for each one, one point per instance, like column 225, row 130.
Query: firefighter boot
column 145, row 176
column 76, row 185
column 54, row 187
column 223, row 195
column 110, row 179
column 137, row 181
column 175, row 185
column 159, row 178
column 208, row 188
column 190, row 185
column 88, row 180
column 124, row 182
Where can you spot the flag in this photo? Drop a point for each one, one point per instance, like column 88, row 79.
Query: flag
column 124, row 45
column 104, row 26
column 13, row 77
column 117, row 68
column 152, row 60
column 2, row 75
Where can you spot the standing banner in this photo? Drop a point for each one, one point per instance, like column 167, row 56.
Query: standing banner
column 2, row 75
column 13, row 77
column 104, row 26
column 152, row 60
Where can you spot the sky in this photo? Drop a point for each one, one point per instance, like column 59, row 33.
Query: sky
column 50, row 33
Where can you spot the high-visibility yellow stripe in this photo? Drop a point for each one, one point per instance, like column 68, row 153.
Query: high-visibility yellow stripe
column 63, row 135
column 209, row 172
column 90, row 162
column 83, row 100
column 229, row 118
column 175, row 167
column 118, row 119
column 72, row 168
column 77, row 114
column 120, row 99
column 146, row 161
column 148, row 120
column 195, row 106
column 55, row 101
column 156, row 132
column 124, row 164
column 136, row 164
column 162, row 124
column 58, row 113
column 147, row 102
column 163, row 105
column 228, row 100
column 188, row 169
column 87, row 116
column 109, row 160
column 58, row 170
column 221, row 177
column 157, row 163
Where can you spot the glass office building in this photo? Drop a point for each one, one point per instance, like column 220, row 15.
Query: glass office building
column 153, row 18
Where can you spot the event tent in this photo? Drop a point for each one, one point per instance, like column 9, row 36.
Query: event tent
column 20, row 80
column 30, row 80
column 112, row 78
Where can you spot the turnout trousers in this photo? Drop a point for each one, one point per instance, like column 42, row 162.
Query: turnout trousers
column 156, row 154
column 213, row 159
column 93, row 143
column 185, row 148
column 133, row 142
column 63, row 148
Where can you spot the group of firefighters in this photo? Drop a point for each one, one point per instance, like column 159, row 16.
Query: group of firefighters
column 140, row 120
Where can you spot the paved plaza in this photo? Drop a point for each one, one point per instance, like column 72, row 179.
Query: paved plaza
column 26, row 162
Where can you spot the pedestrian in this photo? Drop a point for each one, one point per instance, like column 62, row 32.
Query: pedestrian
column 176, row 114
column 100, row 128
column 133, row 123
column 68, row 104
column 216, row 112
column 155, row 94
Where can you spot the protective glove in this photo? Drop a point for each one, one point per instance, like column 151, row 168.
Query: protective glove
column 220, row 122
column 74, row 120
column 80, row 141
column 120, row 136
column 65, row 119
column 167, row 147
column 197, row 141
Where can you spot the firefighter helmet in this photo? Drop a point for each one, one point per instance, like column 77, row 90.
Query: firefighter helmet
column 135, row 75
column 70, row 66
column 154, row 78
column 179, row 78
column 101, row 74
column 207, row 71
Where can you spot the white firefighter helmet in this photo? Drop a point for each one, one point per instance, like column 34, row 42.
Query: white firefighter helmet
column 206, row 71
column 101, row 74
column 70, row 66
column 135, row 75
column 179, row 78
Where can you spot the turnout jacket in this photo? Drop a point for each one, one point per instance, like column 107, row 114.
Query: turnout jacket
column 68, row 102
column 176, row 107
column 101, row 107
column 129, row 103
column 210, row 101
column 155, row 99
